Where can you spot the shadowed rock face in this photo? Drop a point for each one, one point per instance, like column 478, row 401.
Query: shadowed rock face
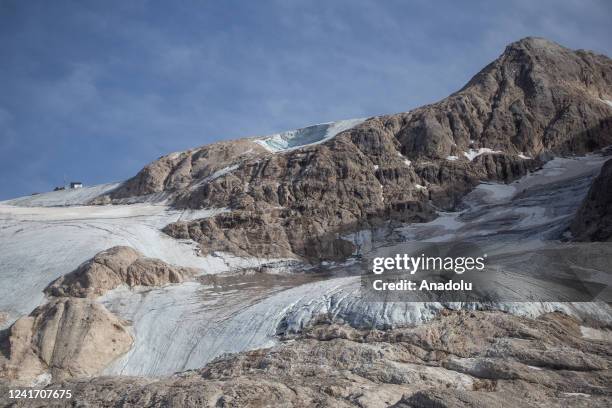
column 114, row 267
column 537, row 97
column 487, row 359
column 593, row 220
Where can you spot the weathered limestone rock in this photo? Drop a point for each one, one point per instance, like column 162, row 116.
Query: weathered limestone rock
column 178, row 170
column 479, row 359
column 66, row 337
column 536, row 98
column 113, row 267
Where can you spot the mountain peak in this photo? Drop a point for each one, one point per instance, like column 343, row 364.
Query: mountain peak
column 536, row 50
column 535, row 44
column 535, row 62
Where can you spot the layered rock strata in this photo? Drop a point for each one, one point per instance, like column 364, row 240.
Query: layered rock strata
column 460, row 359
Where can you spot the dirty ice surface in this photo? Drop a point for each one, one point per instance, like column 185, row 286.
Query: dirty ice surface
column 39, row 244
column 293, row 139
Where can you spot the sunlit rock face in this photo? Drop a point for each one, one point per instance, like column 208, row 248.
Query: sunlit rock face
column 66, row 337
column 114, row 267
column 297, row 190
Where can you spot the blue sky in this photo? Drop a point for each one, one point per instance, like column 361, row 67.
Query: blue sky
column 95, row 90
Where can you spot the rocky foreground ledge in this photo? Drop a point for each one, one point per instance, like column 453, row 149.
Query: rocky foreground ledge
column 483, row 359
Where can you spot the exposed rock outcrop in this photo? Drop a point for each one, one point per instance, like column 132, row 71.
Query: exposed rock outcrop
column 298, row 202
column 487, row 359
column 66, row 337
column 593, row 221
column 180, row 170
column 72, row 335
column 114, row 267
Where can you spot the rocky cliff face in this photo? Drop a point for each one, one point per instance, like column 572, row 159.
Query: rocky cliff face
column 593, row 221
column 66, row 337
column 184, row 169
column 537, row 97
column 475, row 358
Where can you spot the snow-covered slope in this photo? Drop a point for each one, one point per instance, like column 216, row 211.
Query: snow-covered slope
column 40, row 244
column 77, row 196
column 293, row 139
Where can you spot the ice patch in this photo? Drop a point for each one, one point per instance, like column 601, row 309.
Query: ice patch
column 217, row 174
column 342, row 299
column 606, row 101
column 472, row 154
column 494, row 192
column 42, row 380
column 222, row 172
column 185, row 326
column 174, row 155
column 451, row 158
column 561, row 168
column 293, row 139
column 420, row 187
column 406, row 161
column 524, row 157
column 190, row 215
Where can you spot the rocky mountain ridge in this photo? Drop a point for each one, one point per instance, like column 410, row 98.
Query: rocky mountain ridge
column 297, row 198
column 537, row 99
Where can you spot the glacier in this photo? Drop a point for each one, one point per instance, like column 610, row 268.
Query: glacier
column 184, row 326
column 40, row 244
